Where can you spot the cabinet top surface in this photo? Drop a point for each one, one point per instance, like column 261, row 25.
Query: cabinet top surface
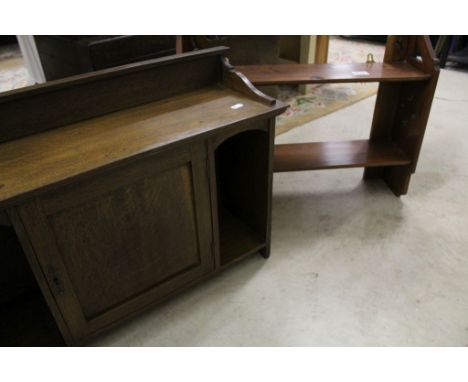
column 55, row 156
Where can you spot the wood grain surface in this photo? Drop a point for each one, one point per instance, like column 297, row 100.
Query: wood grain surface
column 345, row 154
column 41, row 160
column 290, row 74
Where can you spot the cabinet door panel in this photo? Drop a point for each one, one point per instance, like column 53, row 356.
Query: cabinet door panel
column 122, row 240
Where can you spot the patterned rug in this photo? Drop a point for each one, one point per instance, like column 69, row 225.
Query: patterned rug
column 317, row 102
column 9, row 51
column 327, row 98
column 13, row 73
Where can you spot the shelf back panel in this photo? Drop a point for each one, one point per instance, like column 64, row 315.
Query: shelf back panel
column 57, row 103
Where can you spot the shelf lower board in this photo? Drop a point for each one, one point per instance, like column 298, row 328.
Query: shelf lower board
column 345, row 154
column 292, row 74
column 237, row 239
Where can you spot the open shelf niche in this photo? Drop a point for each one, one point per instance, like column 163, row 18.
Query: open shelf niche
column 241, row 163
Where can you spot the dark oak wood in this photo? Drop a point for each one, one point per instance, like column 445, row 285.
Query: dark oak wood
column 290, row 74
column 41, row 161
column 237, row 239
column 58, row 103
column 109, row 242
column 124, row 190
column 63, row 56
column 237, row 81
column 345, row 154
column 402, row 110
column 407, row 81
column 243, row 49
column 242, row 167
column 116, row 213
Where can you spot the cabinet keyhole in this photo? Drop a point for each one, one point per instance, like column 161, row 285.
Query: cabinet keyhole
column 57, row 283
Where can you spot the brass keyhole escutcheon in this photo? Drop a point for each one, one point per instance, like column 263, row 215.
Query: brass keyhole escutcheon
column 370, row 58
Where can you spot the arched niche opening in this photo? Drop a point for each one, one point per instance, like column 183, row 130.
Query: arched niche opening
column 242, row 185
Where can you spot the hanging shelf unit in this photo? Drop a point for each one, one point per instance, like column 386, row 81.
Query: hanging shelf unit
column 407, row 81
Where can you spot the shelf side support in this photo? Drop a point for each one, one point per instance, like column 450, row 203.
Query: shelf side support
column 402, row 109
column 235, row 80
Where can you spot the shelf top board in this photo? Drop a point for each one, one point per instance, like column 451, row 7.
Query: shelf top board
column 290, row 74
column 55, row 156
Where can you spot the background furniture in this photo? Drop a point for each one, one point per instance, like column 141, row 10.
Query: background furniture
column 64, row 56
column 452, row 49
column 408, row 78
column 258, row 50
column 304, row 50
column 244, row 50
column 132, row 184
column 7, row 40
column 50, row 57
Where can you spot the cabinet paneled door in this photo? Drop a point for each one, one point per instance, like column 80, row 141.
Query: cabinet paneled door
column 110, row 244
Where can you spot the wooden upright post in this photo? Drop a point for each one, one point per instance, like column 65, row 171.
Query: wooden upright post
column 402, row 108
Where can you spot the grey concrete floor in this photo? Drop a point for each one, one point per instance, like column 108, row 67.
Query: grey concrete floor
column 351, row 264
